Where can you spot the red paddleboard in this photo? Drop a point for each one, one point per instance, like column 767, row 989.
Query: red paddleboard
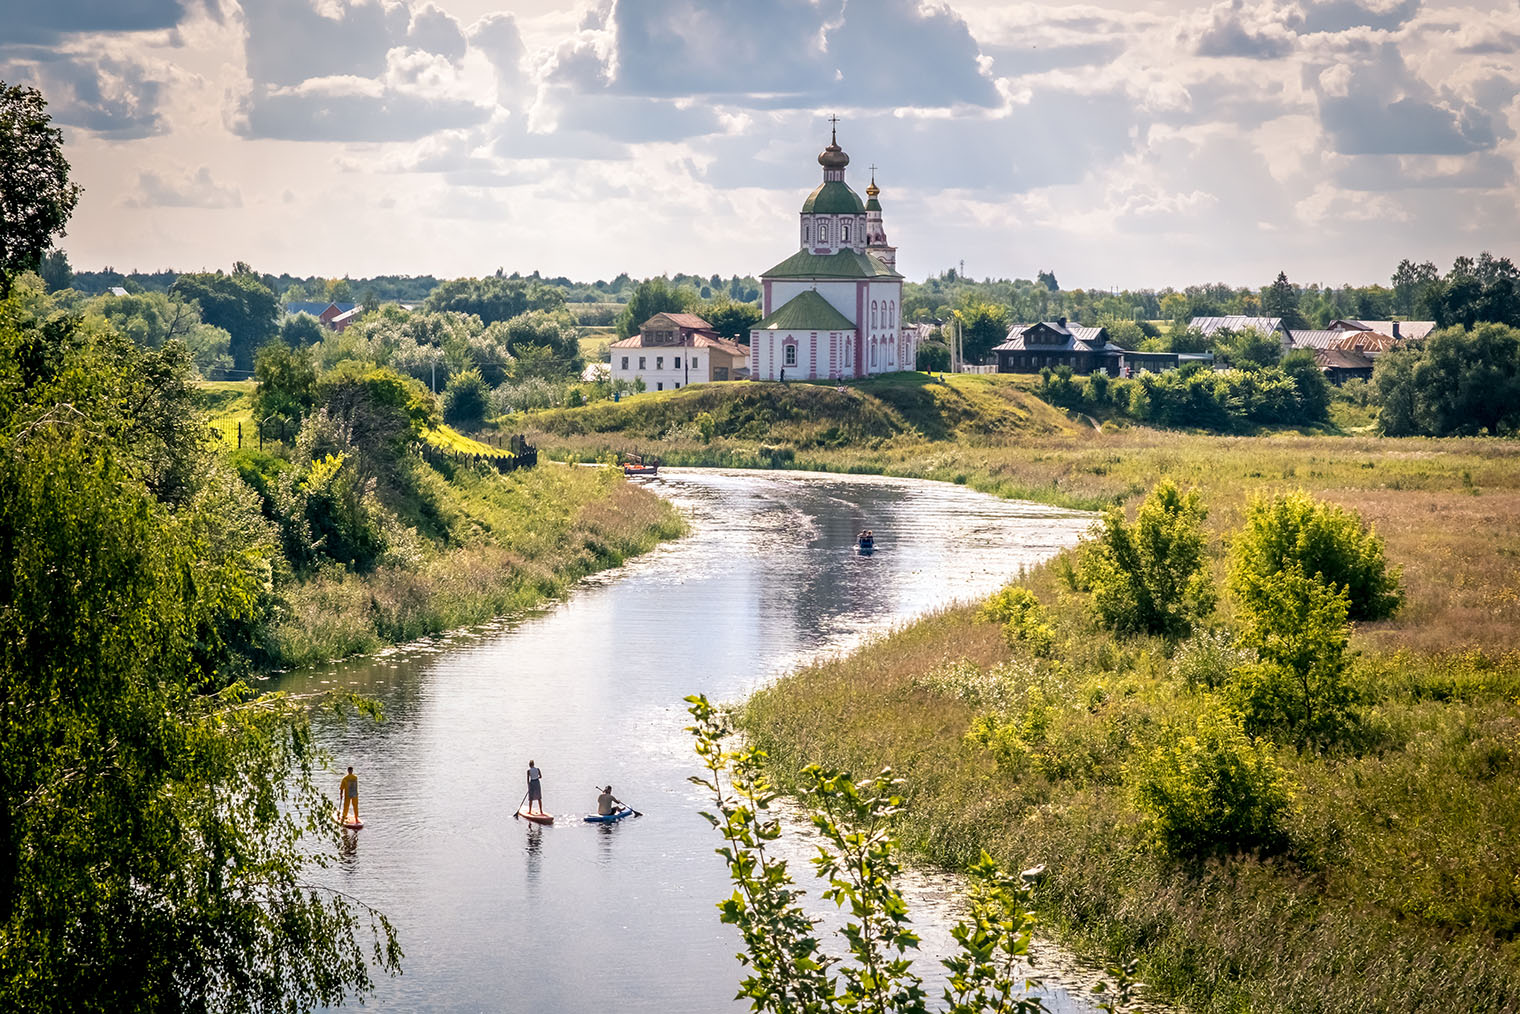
column 352, row 825
column 537, row 818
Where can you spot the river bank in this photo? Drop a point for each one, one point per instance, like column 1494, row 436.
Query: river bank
column 1402, row 877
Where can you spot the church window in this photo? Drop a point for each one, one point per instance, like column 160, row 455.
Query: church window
column 873, row 353
column 790, row 356
column 807, row 229
column 873, row 313
column 823, row 232
column 892, row 320
column 844, row 232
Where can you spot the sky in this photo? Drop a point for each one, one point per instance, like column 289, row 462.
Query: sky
column 1122, row 143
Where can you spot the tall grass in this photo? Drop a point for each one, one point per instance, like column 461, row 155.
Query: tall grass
column 518, row 539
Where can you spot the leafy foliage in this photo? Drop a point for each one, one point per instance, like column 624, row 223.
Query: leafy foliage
column 1456, row 382
column 239, row 304
column 983, row 325
column 1326, row 542
column 657, row 295
column 287, row 383
column 788, row 968
column 1023, row 619
column 1150, row 577
column 731, row 319
column 36, row 197
column 465, row 400
column 1211, row 788
column 493, row 299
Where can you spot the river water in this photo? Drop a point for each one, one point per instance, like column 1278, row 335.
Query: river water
column 496, row 914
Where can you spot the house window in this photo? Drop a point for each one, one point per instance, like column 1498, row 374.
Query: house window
column 678, row 362
column 789, row 358
column 720, row 372
column 659, row 362
column 694, row 362
column 625, row 362
column 659, row 386
column 641, row 362
column 678, row 386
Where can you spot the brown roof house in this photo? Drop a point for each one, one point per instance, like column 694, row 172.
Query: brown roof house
column 1341, row 365
column 673, row 350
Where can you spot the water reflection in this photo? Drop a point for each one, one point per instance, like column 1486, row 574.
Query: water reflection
column 492, row 908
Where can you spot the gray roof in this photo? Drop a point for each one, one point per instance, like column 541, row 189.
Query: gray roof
column 1238, row 322
column 316, row 309
column 1411, row 330
column 1078, row 339
column 1315, row 339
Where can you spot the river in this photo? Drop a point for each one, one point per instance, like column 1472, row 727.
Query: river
column 496, row 914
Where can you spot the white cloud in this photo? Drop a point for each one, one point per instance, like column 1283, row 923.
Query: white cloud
column 197, row 190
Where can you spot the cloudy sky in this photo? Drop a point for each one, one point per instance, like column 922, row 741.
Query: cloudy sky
column 1119, row 143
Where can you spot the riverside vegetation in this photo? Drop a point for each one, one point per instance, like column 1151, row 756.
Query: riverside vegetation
column 1324, row 821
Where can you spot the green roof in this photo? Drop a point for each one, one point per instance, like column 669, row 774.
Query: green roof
column 844, row 264
column 872, row 204
column 833, row 197
column 806, row 311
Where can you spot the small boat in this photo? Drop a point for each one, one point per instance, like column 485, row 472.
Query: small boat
column 867, row 545
column 637, row 464
column 610, row 818
column 537, row 818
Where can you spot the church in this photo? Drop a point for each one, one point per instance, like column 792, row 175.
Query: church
column 831, row 309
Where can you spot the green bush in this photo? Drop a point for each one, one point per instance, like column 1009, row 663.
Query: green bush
column 1209, row 659
column 1150, row 577
column 464, row 400
column 1329, row 543
column 1297, row 626
column 1211, row 788
column 1024, row 620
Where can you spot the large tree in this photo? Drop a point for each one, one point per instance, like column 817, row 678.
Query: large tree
column 654, row 295
column 155, row 816
column 1457, row 382
column 36, row 197
column 1280, row 299
column 983, row 325
column 239, row 304
column 493, row 299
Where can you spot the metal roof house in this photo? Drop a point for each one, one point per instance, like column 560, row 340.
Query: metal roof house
column 1030, row 348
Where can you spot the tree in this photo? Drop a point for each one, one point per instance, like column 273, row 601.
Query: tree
column 1150, row 577
column 149, row 803
column 55, row 271
column 554, row 330
column 1458, row 382
column 302, row 329
column 1313, row 388
column 983, row 325
column 656, row 295
column 36, row 197
column 1328, row 543
column 493, row 299
column 1248, row 348
column 933, row 356
column 238, row 303
column 151, row 319
column 287, row 383
column 464, row 401
column 732, row 319
column 1412, row 284
column 1280, row 299
column 1487, row 289
column 1048, row 280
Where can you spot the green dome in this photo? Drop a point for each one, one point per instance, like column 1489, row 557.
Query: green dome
column 872, row 204
column 833, row 197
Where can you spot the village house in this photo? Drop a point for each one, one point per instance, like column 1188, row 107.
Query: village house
column 333, row 316
column 1371, row 337
column 1340, row 365
column 832, row 309
column 1030, row 348
column 673, row 350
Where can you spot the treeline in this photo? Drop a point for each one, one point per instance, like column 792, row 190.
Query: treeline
column 1483, row 289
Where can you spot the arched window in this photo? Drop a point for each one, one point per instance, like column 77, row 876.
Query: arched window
column 873, row 353
column 807, row 229
column 844, row 232
column 823, row 231
column 873, row 313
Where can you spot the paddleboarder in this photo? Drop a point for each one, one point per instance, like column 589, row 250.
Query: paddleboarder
column 535, row 787
column 348, row 791
column 606, row 801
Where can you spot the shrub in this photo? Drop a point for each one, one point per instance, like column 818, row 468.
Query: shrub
column 1297, row 627
column 1024, row 620
column 1150, row 577
column 1329, row 543
column 1211, row 788
column 286, row 382
column 1209, row 659
column 464, row 400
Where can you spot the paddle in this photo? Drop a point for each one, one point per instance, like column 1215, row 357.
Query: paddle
column 620, row 802
column 518, row 812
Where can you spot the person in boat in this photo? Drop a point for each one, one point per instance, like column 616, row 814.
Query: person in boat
column 535, row 787
column 607, row 804
column 348, row 792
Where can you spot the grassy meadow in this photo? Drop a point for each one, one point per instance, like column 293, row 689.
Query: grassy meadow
column 1398, row 888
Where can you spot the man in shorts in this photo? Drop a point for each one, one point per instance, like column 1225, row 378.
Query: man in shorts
column 535, row 788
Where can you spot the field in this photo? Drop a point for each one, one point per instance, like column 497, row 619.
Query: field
column 1399, row 886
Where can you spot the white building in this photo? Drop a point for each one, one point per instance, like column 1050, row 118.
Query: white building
column 673, row 350
column 832, row 308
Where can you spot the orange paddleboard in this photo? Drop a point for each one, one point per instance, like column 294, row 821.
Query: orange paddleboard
column 352, row 825
column 537, row 818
